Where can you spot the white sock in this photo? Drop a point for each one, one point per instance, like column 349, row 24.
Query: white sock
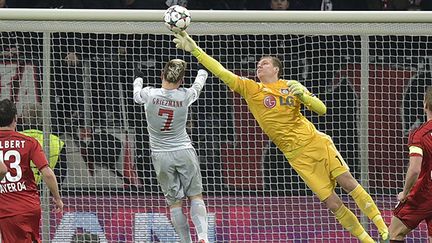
column 181, row 224
column 199, row 217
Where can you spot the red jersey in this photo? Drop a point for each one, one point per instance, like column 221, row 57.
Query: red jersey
column 422, row 189
column 18, row 190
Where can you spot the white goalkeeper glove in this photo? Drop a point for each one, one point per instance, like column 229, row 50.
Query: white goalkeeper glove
column 184, row 41
column 296, row 88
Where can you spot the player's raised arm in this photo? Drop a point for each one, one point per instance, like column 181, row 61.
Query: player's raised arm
column 312, row 102
column 198, row 84
column 139, row 93
column 185, row 42
column 200, row 80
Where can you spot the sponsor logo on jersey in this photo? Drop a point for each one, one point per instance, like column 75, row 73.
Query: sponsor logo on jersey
column 269, row 101
column 284, row 91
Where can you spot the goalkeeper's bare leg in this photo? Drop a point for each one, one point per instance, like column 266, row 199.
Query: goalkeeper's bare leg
column 364, row 201
column 180, row 222
column 198, row 214
column 347, row 218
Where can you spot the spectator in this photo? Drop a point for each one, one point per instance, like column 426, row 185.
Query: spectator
column 420, row 5
column 279, row 4
column 183, row 3
column 31, row 125
column 329, row 5
column 388, row 4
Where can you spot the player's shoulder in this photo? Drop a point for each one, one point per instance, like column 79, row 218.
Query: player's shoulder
column 25, row 136
column 184, row 90
column 421, row 131
column 150, row 88
column 19, row 136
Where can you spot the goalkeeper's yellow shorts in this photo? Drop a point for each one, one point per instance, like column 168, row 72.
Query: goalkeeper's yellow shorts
column 318, row 164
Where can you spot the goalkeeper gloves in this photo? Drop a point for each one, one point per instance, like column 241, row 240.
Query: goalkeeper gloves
column 185, row 42
column 296, row 88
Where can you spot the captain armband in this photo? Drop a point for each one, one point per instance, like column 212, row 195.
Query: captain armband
column 415, row 151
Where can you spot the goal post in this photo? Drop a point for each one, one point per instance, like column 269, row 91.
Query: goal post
column 370, row 69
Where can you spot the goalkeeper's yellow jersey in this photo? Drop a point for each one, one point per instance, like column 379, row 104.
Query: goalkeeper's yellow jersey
column 277, row 112
column 273, row 106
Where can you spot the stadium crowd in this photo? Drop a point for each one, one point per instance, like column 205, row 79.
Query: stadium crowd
column 325, row 5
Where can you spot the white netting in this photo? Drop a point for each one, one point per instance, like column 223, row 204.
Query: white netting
column 372, row 85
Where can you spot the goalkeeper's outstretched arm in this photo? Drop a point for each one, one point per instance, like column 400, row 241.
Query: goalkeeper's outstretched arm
column 185, row 42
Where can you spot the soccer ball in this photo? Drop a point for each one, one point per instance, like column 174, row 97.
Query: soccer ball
column 177, row 18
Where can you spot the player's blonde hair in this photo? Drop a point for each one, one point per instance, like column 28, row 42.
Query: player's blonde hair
column 428, row 98
column 174, row 70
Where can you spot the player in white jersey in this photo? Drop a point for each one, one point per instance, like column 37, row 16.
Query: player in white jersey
column 173, row 156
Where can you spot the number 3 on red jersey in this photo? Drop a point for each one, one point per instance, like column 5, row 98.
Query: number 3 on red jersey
column 13, row 165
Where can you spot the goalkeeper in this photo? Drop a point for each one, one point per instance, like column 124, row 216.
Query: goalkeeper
column 275, row 104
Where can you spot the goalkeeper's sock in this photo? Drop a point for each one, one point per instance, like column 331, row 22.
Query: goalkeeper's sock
column 199, row 217
column 181, row 224
column 366, row 204
column 350, row 222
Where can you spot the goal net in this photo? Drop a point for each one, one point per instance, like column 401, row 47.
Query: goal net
column 70, row 73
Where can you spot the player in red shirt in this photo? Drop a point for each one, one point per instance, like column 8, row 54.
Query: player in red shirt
column 20, row 210
column 415, row 201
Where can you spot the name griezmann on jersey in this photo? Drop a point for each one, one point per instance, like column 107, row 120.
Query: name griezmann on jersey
column 171, row 103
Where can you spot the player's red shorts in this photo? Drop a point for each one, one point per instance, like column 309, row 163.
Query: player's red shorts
column 411, row 214
column 23, row 228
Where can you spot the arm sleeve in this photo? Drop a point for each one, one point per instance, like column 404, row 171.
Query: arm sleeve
column 313, row 103
column 140, row 95
column 197, row 86
column 415, row 144
column 215, row 67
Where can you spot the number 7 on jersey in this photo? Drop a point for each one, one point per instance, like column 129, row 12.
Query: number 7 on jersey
column 169, row 119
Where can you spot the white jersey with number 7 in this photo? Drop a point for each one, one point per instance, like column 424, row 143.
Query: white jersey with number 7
column 167, row 113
